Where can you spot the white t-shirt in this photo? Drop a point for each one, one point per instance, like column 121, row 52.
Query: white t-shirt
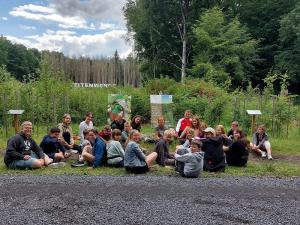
column 82, row 126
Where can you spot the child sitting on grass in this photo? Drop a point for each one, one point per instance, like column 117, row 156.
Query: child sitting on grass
column 115, row 151
column 190, row 164
column 261, row 143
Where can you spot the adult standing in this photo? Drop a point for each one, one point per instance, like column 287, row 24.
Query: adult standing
column 22, row 151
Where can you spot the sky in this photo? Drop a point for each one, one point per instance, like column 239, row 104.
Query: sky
column 93, row 28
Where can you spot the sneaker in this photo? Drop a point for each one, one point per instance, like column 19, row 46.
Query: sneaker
column 263, row 155
column 57, row 165
column 50, row 161
column 270, row 157
column 78, row 164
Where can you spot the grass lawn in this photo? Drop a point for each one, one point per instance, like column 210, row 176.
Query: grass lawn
column 280, row 167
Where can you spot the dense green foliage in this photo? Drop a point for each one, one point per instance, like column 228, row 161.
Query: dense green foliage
column 46, row 99
column 288, row 57
column 19, row 61
column 258, row 27
column 225, row 52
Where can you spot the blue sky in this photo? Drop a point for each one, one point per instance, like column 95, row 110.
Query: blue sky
column 92, row 28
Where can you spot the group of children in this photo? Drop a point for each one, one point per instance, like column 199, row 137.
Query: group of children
column 117, row 145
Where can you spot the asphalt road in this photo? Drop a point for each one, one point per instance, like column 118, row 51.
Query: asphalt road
column 148, row 200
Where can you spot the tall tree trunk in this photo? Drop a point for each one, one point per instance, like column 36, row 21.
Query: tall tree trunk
column 184, row 4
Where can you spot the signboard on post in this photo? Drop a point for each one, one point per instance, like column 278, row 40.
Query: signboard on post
column 161, row 106
column 253, row 113
column 16, row 122
column 119, row 107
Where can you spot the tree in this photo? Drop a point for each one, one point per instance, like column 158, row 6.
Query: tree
column 225, row 50
column 4, row 45
column 162, row 33
column 262, row 17
column 288, row 57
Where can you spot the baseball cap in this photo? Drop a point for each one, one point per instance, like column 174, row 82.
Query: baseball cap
column 210, row 130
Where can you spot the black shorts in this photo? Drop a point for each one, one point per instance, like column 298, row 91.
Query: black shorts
column 137, row 169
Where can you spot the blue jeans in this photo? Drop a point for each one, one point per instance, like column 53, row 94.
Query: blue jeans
column 23, row 164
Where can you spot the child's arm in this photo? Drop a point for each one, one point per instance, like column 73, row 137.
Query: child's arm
column 183, row 158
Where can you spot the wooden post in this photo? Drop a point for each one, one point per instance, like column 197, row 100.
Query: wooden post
column 16, row 123
column 253, row 125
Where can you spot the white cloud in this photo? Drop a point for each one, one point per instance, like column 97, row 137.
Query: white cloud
column 16, row 40
column 49, row 14
column 4, row 18
column 101, row 10
column 106, row 26
column 24, row 27
column 78, row 45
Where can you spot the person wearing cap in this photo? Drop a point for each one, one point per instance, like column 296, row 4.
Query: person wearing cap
column 22, row 151
column 184, row 122
column 214, row 157
column 190, row 164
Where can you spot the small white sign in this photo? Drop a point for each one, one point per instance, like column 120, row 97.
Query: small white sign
column 254, row 112
column 161, row 99
column 15, row 112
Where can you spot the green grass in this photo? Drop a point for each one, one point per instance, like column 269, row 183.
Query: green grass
column 263, row 168
column 277, row 168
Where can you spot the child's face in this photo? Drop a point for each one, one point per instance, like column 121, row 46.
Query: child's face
column 189, row 136
column 168, row 138
column 67, row 120
column 234, row 126
column 208, row 135
column 127, row 127
column 194, row 122
column 195, row 148
column 136, row 137
column 137, row 120
column 187, row 115
column 117, row 137
column 55, row 135
column 161, row 122
column 260, row 130
column 236, row 135
column 218, row 131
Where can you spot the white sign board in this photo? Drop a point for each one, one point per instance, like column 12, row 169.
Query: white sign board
column 15, row 112
column 254, row 112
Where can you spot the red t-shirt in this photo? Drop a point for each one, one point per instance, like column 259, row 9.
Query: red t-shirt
column 185, row 123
